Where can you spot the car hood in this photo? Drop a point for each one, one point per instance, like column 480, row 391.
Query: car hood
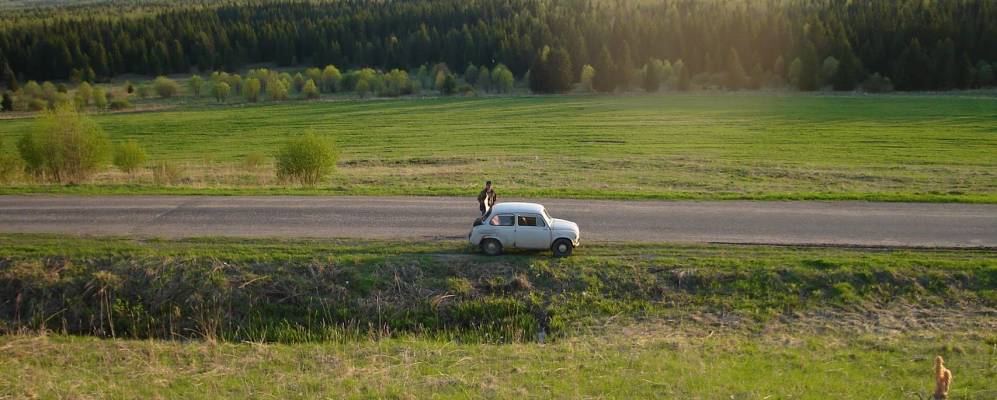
column 564, row 225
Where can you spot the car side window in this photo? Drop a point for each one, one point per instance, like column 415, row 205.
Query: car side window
column 502, row 220
column 531, row 220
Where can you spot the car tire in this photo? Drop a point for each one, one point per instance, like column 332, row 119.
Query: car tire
column 491, row 247
column 562, row 248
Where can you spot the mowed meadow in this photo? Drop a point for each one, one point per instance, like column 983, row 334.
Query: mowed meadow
column 702, row 145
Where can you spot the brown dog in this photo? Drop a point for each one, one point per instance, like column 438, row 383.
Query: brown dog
column 943, row 378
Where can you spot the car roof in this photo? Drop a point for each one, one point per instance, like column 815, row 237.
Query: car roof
column 518, row 208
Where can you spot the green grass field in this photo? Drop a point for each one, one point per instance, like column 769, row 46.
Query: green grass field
column 635, row 321
column 700, row 146
column 645, row 361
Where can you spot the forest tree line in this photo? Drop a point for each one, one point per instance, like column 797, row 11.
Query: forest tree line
column 809, row 44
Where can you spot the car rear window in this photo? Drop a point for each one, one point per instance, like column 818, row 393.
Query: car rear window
column 530, row 220
column 502, row 220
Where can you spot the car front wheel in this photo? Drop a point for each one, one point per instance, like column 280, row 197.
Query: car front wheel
column 491, row 247
column 562, row 248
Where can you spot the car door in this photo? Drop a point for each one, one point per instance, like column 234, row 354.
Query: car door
column 532, row 232
column 503, row 228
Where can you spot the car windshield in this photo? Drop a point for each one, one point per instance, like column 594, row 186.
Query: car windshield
column 546, row 216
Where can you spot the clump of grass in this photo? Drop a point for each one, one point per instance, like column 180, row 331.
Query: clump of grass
column 168, row 173
column 459, row 286
column 255, row 160
column 11, row 166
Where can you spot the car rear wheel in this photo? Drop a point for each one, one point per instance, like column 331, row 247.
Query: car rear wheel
column 562, row 248
column 491, row 247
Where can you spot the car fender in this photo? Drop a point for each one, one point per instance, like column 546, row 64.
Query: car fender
column 485, row 236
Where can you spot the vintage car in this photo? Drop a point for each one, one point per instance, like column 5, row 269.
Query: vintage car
column 523, row 226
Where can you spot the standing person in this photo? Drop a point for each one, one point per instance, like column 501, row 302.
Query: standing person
column 486, row 199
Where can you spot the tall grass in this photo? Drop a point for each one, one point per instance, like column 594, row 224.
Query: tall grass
column 288, row 291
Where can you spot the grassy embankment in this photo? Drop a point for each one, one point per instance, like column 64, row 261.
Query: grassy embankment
column 679, row 146
column 310, row 318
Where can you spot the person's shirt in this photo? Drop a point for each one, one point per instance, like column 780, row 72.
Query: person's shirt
column 488, row 195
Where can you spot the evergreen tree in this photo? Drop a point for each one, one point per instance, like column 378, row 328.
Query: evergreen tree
column 551, row 71
column 7, row 104
column 605, row 78
column 625, row 67
column 911, row 71
column 946, row 72
column 809, row 67
column 484, row 80
column 681, row 73
column 779, row 67
column 736, row 77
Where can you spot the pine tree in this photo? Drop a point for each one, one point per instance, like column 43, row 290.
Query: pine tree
column 605, row 75
column 736, row 77
column 809, row 67
column 552, row 72
column 625, row 67
column 7, row 104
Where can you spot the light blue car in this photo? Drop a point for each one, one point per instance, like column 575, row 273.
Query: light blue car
column 523, row 226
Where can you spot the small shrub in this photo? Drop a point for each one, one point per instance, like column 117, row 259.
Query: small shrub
column 310, row 90
column 251, row 89
column 167, row 173
column 166, row 87
column 195, row 82
column 144, row 91
column 877, row 83
column 129, row 156
column 37, row 105
column 220, row 91
column 120, row 104
column 99, row 98
column 64, row 146
column 307, row 159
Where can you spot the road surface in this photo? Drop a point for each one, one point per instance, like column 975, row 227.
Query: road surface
column 827, row 223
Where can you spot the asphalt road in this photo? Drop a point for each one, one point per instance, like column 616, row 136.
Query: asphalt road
column 830, row 223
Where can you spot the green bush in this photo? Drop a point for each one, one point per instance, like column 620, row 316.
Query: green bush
column 64, row 146
column 310, row 90
column 307, row 159
column 144, row 91
column 37, row 105
column 120, row 104
column 166, row 87
column 100, row 98
column 129, row 156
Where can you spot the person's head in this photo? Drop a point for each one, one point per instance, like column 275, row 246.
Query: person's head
column 488, row 184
